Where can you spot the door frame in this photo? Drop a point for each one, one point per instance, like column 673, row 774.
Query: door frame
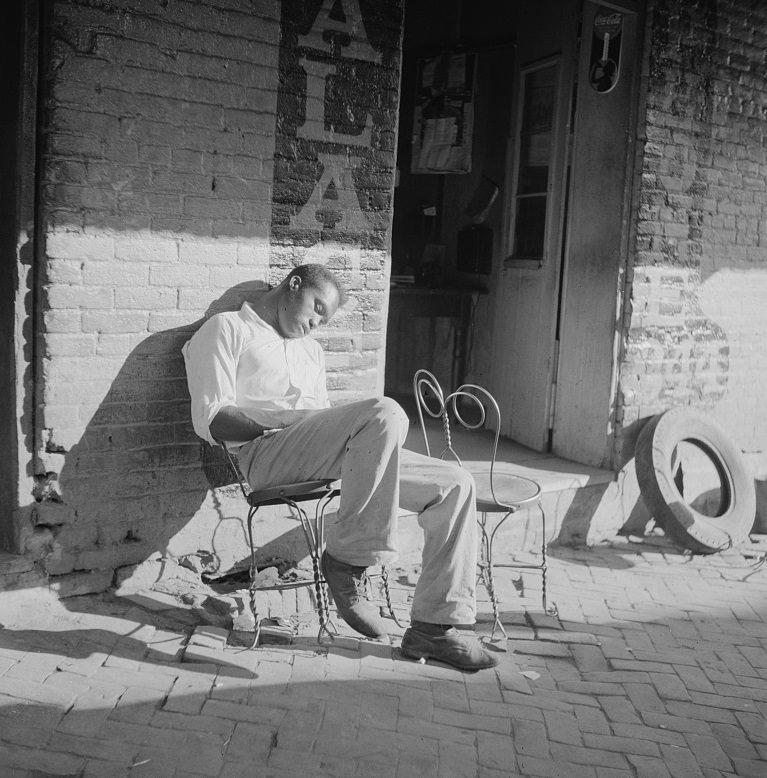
column 18, row 249
column 596, row 250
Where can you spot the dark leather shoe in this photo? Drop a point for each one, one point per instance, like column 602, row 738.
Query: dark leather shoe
column 452, row 648
column 347, row 584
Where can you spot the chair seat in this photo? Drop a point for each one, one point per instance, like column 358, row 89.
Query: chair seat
column 298, row 492
column 510, row 492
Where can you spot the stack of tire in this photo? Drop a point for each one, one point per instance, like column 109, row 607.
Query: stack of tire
column 654, row 457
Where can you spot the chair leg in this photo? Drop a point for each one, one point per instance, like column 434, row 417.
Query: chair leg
column 387, row 594
column 323, row 607
column 486, row 572
column 544, row 567
column 543, row 559
column 252, row 587
column 314, row 535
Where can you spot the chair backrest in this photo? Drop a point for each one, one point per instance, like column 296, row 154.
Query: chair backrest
column 433, row 402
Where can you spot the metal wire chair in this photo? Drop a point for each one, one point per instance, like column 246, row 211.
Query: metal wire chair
column 498, row 494
column 323, row 492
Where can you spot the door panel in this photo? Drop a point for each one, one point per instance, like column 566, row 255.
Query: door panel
column 525, row 326
column 595, row 256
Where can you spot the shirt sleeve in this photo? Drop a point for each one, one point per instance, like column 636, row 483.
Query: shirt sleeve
column 210, row 356
column 321, row 389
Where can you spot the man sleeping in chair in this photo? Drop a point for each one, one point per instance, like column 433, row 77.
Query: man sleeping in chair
column 257, row 383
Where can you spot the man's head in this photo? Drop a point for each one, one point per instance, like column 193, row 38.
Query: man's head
column 308, row 297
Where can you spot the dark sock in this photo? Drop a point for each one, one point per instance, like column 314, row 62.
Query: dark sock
column 433, row 630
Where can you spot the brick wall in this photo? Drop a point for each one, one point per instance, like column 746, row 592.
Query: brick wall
column 190, row 161
column 696, row 321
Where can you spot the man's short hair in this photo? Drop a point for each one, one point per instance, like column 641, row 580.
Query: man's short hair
column 315, row 275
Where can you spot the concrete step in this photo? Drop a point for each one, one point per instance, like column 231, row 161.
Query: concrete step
column 18, row 572
column 582, row 505
column 23, row 587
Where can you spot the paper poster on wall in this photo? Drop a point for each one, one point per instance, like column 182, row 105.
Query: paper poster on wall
column 444, row 115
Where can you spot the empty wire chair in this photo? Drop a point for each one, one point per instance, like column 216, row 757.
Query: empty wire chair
column 498, row 494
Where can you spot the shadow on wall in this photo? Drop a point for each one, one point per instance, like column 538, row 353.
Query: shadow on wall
column 134, row 482
column 760, row 525
column 638, row 515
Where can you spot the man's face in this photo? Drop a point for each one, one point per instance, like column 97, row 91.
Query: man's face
column 306, row 307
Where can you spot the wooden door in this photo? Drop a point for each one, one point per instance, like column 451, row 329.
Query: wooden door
column 528, row 285
column 595, row 256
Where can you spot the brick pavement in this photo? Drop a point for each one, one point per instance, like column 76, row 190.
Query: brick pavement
column 655, row 668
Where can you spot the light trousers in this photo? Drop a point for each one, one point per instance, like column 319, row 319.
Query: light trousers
column 361, row 443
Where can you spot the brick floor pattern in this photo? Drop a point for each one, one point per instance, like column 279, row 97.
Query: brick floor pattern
column 654, row 668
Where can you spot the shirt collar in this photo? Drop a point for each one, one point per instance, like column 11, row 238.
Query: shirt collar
column 248, row 314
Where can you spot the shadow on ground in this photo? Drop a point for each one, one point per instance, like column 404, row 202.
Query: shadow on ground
column 657, row 668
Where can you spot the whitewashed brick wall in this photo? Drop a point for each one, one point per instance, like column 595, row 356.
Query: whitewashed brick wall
column 697, row 322
column 157, row 210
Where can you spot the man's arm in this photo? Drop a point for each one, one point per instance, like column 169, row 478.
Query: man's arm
column 231, row 424
column 211, row 367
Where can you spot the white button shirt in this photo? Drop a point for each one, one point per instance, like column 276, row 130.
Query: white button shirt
column 238, row 359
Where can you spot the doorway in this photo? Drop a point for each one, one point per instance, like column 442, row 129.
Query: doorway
column 552, row 155
column 448, row 214
column 558, row 324
column 530, row 285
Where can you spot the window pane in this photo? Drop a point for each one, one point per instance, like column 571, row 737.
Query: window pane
column 534, row 163
column 534, row 159
column 530, row 226
column 539, row 100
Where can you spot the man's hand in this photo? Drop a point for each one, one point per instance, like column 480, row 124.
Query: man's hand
column 232, row 425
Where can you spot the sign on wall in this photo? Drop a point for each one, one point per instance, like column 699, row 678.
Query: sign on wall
column 443, row 124
column 605, row 65
column 336, row 120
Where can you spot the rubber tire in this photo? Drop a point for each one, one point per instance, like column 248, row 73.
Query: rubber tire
column 684, row 525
